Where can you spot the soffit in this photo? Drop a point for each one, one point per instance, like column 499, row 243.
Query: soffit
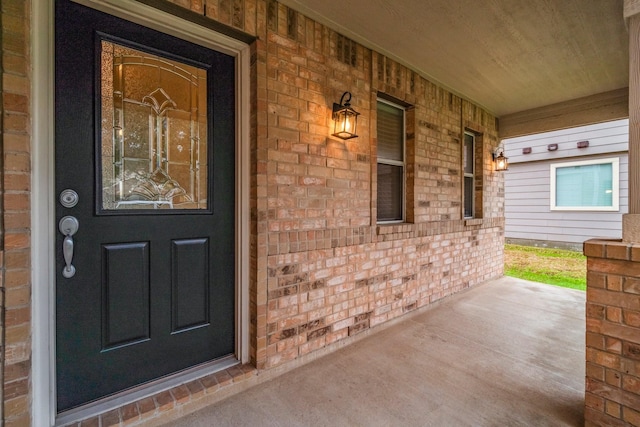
column 505, row 55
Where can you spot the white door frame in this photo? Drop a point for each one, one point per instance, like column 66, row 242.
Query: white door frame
column 43, row 199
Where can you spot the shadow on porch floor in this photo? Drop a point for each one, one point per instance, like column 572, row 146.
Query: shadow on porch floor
column 506, row 353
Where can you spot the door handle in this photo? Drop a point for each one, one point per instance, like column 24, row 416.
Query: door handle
column 68, row 226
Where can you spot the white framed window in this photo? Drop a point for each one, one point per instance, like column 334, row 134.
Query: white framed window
column 391, row 162
column 587, row 185
column 469, row 168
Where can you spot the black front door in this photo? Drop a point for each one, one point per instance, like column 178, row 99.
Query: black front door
column 145, row 150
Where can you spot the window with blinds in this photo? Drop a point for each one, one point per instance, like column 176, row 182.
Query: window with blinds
column 591, row 185
column 468, row 163
column 391, row 162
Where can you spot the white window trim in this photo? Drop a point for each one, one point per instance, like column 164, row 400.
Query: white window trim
column 615, row 199
column 403, row 163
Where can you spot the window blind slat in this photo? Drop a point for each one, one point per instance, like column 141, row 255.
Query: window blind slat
column 389, row 192
column 390, row 132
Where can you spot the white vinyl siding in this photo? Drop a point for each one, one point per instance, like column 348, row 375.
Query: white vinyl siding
column 528, row 215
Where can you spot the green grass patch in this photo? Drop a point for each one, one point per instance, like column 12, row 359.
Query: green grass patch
column 544, row 265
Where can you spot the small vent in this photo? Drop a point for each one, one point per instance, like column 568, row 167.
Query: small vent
column 272, row 15
column 380, row 67
column 346, row 51
column 292, row 24
column 238, row 14
column 583, row 144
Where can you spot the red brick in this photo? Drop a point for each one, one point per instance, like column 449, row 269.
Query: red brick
column 16, row 103
column 130, row 414
column 611, row 266
column 210, row 383
column 595, row 371
column 596, row 280
column 223, row 378
column 17, row 162
column 15, row 408
column 195, row 389
column 594, row 418
column 181, row 394
column 632, row 384
column 16, row 388
column 164, row 401
column 631, row 285
column 618, row 251
column 16, row 240
column 146, row 407
column 613, row 378
column 17, row 182
column 631, row 350
column 595, row 311
column 593, row 401
column 613, row 409
column 616, row 299
column 603, row 359
column 23, row 420
column 595, row 340
column 613, row 345
column 614, row 283
column 594, row 248
column 631, row 318
column 614, row 314
column 111, row 418
column 631, row 416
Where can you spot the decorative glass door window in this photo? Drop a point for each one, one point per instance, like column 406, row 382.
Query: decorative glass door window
column 154, row 131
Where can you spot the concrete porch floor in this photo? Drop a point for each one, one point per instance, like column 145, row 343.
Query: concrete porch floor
column 505, row 353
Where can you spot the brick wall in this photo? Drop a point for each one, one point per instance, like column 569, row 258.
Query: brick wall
column 613, row 334
column 321, row 269
column 331, row 272
column 14, row 253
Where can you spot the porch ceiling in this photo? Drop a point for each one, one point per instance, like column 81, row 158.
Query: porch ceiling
column 508, row 56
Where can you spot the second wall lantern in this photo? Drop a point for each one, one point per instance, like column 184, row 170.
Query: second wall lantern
column 500, row 160
column 345, row 118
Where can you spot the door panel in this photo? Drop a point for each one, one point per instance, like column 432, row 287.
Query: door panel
column 189, row 284
column 151, row 157
column 125, row 300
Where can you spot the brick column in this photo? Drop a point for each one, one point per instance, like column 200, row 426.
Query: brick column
column 612, row 334
column 631, row 221
column 612, row 396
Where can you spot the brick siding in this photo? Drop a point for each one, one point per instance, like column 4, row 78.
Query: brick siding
column 613, row 334
column 15, row 185
column 321, row 270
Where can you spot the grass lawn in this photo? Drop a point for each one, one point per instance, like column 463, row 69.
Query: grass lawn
column 552, row 266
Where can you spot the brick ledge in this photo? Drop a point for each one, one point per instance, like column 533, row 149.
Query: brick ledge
column 176, row 402
column 612, row 249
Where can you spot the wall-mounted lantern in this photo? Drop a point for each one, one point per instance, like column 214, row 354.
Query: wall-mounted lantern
column 500, row 160
column 345, row 118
